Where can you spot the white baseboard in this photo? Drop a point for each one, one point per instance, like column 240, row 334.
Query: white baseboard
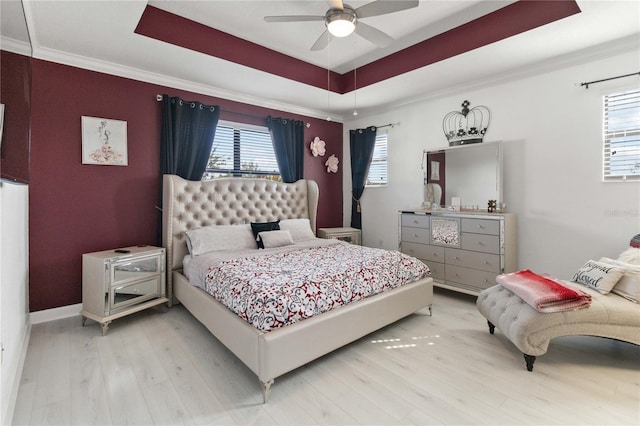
column 55, row 313
column 17, row 378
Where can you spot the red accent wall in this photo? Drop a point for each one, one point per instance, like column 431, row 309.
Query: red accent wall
column 76, row 208
column 15, row 94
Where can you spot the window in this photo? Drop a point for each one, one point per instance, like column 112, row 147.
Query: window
column 242, row 150
column 621, row 159
column 378, row 169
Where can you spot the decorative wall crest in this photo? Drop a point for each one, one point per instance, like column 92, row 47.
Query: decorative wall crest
column 467, row 126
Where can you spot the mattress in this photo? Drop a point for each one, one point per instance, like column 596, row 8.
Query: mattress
column 276, row 287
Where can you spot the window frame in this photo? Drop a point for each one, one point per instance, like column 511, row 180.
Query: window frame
column 237, row 170
column 608, row 135
column 382, row 159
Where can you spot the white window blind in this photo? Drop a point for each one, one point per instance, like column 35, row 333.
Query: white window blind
column 378, row 169
column 241, row 150
column 621, row 159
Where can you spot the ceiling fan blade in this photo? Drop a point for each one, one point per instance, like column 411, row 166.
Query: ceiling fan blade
column 293, row 18
column 322, row 41
column 374, row 35
column 382, row 7
column 336, row 4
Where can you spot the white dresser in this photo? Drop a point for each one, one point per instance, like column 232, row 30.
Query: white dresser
column 465, row 251
column 120, row 282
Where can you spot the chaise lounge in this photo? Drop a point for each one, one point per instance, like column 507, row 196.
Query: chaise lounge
column 531, row 331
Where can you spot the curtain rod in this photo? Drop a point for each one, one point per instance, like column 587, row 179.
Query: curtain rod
column 392, row 125
column 586, row 85
column 245, row 114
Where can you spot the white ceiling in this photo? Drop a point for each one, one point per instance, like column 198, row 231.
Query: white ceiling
column 99, row 35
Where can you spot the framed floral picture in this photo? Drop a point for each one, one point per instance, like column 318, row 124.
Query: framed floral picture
column 104, row 141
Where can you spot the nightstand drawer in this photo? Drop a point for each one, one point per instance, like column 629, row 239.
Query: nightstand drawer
column 130, row 294
column 127, row 270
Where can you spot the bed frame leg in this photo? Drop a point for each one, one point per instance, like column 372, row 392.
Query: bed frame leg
column 492, row 327
column 529, row 359
column 423, row 311
column 266, row 390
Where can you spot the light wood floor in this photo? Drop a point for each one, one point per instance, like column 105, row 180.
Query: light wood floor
column 165, row 368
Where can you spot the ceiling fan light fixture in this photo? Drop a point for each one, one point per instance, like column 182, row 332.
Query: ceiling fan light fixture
column 341, row 23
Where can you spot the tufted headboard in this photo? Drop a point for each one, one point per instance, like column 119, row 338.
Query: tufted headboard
column 194, row 204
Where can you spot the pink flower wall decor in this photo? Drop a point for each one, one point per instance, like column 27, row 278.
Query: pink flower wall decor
column 332, row 164
column 318, row 147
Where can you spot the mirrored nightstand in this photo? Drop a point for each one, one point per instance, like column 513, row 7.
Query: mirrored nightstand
column 350, row 235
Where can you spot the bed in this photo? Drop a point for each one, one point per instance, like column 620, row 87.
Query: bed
column 189, row 205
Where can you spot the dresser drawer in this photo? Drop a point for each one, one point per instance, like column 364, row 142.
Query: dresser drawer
column 415, row 235
column 423, row 251
column 416, row 220
column 469, row 277
column 480, row 242
column 473, row 259
column 481, row 226
column 437, row 270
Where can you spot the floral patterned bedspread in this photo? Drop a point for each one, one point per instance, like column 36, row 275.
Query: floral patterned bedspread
column 275, row 290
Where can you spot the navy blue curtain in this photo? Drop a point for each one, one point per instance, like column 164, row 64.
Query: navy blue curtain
column 361, row 143
column 288, row 144
column 187, row 133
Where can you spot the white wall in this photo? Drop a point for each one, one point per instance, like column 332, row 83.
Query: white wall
column 552, row 133
column 14, row 317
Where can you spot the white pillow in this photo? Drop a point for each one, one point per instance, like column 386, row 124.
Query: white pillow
column 598, row 276
column 630, row 255
column 217, row 238
column 629, row 285
column 276, row 238
column 300, row 229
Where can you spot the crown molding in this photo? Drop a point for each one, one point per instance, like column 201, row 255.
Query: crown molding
column 15, row 46
column 119, row 70
column 613, row 48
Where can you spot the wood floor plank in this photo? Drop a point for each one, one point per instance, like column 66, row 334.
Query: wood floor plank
column 53, row 384
column 89, row 402
column 166, row 368
column 126, row 403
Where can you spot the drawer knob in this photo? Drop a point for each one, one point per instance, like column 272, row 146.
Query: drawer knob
column 480, row 227
column 415, row 235
column 456, row 257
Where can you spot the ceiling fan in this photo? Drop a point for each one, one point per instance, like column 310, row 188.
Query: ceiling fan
column 342, row 19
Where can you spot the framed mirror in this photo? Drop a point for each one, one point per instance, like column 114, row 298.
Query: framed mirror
column 470, row 174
